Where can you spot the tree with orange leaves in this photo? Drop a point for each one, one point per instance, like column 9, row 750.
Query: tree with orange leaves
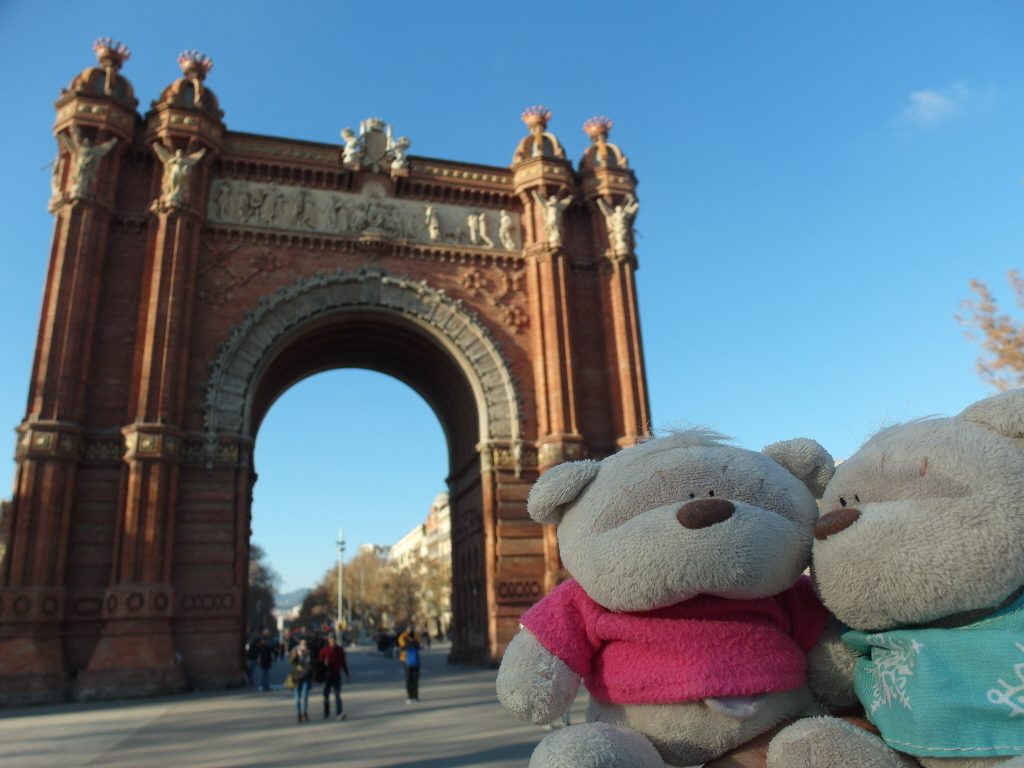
column 1000, row 335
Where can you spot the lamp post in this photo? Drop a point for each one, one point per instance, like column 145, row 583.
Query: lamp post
column 341, row 550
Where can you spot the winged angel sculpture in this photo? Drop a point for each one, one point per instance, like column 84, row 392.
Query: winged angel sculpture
column 174, row 190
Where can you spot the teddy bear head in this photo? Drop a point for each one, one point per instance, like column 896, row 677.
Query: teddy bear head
column 926, row 520
column 682, row 515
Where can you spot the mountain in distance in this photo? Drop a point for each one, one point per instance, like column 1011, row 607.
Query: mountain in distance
column 289, row 600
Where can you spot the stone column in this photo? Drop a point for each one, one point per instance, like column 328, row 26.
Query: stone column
column 608, row 184
column 95, row 121
column 542, row 183
column 136, row 652
column 546, row 185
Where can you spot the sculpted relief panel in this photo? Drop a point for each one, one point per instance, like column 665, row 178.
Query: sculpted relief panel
column 290, row 208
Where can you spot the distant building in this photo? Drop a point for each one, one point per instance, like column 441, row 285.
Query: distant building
column 426, row 550
column 375, row 549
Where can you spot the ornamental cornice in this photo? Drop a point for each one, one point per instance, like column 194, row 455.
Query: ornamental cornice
column 99, row 113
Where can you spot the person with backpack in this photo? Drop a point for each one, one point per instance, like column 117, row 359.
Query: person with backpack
column 409, row 642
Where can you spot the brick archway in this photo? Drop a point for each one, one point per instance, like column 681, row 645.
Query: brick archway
column 232, row 407
column 196, row 273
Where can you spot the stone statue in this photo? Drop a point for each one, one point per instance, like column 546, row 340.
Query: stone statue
column 553, row 208
column 268, row 206
column 308, row 211
column 86, row 158
column 398, row 151
column 340, row 216
column 174, row 189
column 481, row 230
column 505, row 231
column 350, row 153
column 224, row 192
column 56, row 178
column 619, row 220
column 433, row 224
column 471, row 222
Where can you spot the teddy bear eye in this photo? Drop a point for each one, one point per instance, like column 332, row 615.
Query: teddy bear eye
column 711, row 493
column 856, row 497
column 842, row 501
column 692, row 495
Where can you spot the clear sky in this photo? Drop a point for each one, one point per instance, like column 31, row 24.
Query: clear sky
column 818, row 184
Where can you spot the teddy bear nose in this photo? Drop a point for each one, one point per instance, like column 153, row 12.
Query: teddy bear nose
column 834, row 522
column 704, row 512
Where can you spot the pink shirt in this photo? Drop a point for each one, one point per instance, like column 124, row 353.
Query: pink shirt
column 704, row 647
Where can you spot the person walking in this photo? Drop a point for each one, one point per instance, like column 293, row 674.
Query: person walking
column 266, row 654
column 302, row 677
column 332, row 657
column 252, row 658
column 409, row 642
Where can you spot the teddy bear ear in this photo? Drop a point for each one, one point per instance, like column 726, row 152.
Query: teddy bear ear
column 557, row 487
column 807, row 459
column 1003, row 413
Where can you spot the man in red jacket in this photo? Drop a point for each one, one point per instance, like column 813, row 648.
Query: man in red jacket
column 332, row 658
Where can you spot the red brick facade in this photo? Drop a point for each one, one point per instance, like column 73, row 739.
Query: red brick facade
column 187, row 290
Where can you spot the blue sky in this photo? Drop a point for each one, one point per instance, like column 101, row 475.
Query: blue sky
column 818, row 184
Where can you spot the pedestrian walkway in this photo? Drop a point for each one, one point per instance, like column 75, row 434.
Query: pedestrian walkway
column 458, row 723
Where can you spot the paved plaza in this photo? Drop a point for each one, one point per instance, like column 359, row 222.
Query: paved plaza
column 457, row 724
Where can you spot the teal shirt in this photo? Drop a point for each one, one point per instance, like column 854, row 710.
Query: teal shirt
column 946, row 692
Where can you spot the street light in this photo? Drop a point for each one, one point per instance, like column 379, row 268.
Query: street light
column 341, row 550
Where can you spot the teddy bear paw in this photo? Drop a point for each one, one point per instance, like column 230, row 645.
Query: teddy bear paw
column 828, row 742
column 595, row 745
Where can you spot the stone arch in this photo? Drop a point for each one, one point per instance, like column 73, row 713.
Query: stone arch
column 229, row 391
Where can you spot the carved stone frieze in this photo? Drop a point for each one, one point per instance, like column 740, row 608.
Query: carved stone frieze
column 514, row 456
column 297, row 209
column 234, row 372
column 221, row 452
column 108, row 449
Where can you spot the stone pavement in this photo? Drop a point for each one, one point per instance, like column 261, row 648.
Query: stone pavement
column 457, row 724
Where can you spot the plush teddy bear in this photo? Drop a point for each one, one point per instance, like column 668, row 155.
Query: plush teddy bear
column 687, row 616
column 921, row 552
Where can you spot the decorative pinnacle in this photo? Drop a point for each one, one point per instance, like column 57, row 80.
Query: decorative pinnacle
column 597, row 126
column 194, row 64
column 111, row 53
column 536, row 115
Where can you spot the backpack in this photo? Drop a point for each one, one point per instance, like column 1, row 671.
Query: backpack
column 412, row 656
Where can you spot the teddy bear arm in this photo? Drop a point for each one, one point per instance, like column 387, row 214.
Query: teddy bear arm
column 533, row 683
column 830, row 666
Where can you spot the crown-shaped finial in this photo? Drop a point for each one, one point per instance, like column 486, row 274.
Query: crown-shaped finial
column 536, row 115
column 110, row 52
column 598, row 126
column 194, row 64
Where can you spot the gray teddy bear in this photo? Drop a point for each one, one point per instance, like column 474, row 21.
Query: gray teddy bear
column 687, row 617
column 921, row 552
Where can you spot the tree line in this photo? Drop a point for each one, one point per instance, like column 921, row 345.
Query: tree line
column 380, row 594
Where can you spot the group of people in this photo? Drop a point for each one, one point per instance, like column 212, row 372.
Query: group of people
column 321, row 659
column 324, row 664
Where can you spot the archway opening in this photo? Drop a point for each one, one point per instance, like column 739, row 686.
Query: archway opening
column 362, row 452
column 361, row 422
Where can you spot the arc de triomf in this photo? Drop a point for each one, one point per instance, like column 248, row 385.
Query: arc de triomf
column 196, row 273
